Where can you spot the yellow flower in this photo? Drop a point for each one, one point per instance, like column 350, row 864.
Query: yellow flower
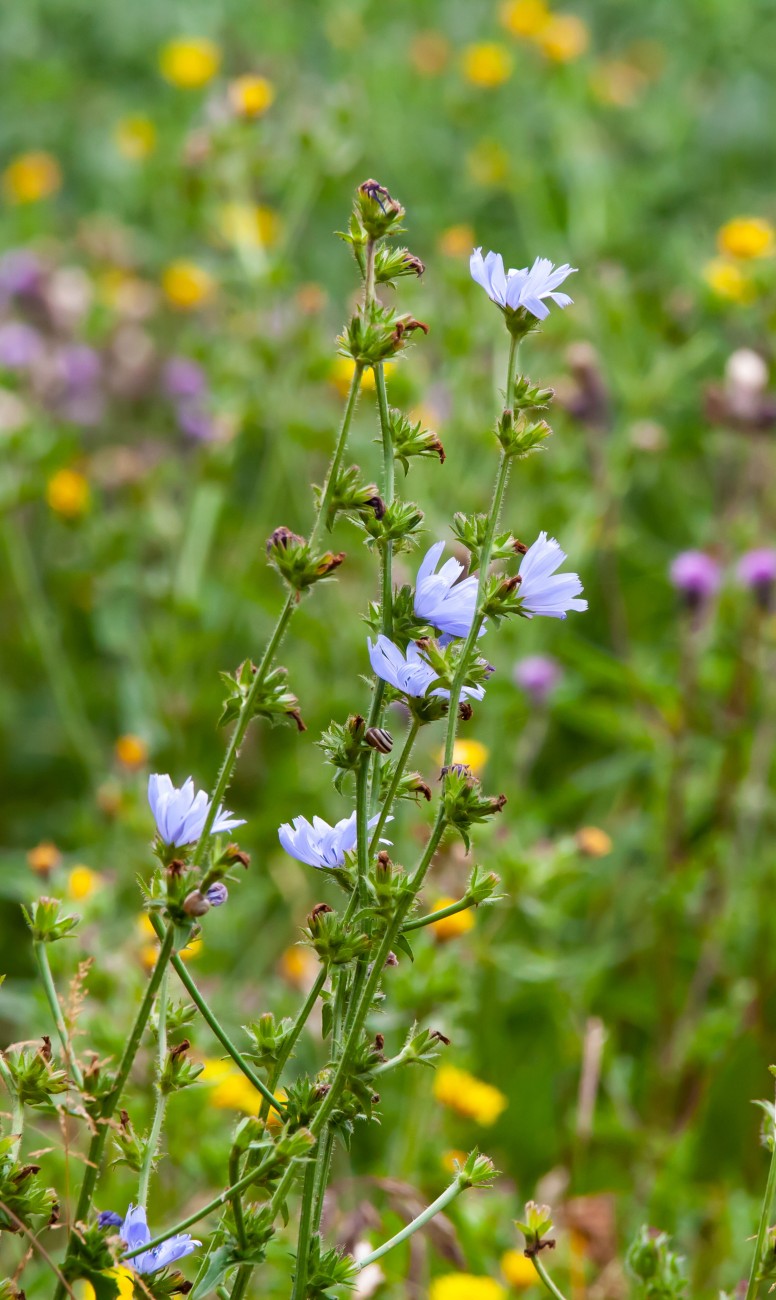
column 250, row 96
column 135, row 137
column 449, row 1159
column 31, row 177
column 727, row 280
column 471, row 752
column 746, row 237
column 593, row 842
column 189, row 62
column 44, row 857
column 429, row 53
column 341, row 373
column 126, row 1280
column 457, row 241
column 231, row 1090
column 488, row 163
column 298, row 964
column 131, row 750
column 451, row 927
column 518, row 1270
column 83, row 1290
column 524, row 17
column 465, row 1286
column 563, row 38
column 67, row 493
column 248, row 225
column 82, row 882
column 468, row 1096
column 487, row 64
column 187, row 286
column 617, row 82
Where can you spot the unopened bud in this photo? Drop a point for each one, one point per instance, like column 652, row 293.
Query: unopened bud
column 283, row 537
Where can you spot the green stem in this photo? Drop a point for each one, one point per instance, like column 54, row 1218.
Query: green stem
column 243, row 1273
column 111, row 1101
column 339, row 452
column 303, row 1240
column 762, row 1230
column 323, row 1166
column 290, row 1042
column 47, row 979
column 436, row 1207
column 152, row 1141
column 419, row 921
column 393, row 787
column 388, row 487
column 546, row 1279
column 220, row 1033
column 17, row 1108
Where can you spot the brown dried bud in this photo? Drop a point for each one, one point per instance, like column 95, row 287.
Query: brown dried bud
column 379, row 1042
column 419, row 786
column 375, row 1098
column 180, row 1050
column 383, row 860
column 407, row 325
column 329, row 562
column 440, row 1037
column 195, row 904
column 414, row 263
column 320, row 909
column 45, row 1050
column 377, row 504
column 283, row 537
column 465, row 711
column 176, row 867
column 298, row 719
column 233, row 853
column 436, row 446
column 25, row 1172
column 497, row 804
column 520, row 548
column 510, row 584
column 380, row 739
column 124, row 1121
column 392, row 959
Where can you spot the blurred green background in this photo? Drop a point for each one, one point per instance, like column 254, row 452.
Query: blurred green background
column 172, row 178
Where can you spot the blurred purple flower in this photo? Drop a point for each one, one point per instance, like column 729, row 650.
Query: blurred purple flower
column 20, row 345
column 696, row 576
column 195, row 422
column 440, row 599
column 183, row 378
column 526, row 288
column 757, row 570
column 135, row 1232
column 538, row 675
column 81, row 367
column 411, row 674
column 217, row 894
column 180, row 813
column 542, row 590
column 21, row 273
column 319, row 844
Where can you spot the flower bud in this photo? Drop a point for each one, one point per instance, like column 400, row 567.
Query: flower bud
column 217, row 894
column 378, row 213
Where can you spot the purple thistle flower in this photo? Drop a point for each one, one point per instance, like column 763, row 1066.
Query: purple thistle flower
column 217, row 894
column 135, row 1232
column 542, row 590
column 537, row 675
column 440, row 599
column 180, row 813
column 20, row 345
column 527, row 288
column 696, row 576
column 319, row 844
column 757, row 570
column 411, row 674
column 183, row 378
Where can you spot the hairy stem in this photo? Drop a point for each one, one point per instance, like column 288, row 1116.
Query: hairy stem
column 753, row 1285
column 47, row 979
column 393, row 787
column 303, row 1239
column 418, row 922
column 436, row 1207
column 546, row 1279
column 152, row 1141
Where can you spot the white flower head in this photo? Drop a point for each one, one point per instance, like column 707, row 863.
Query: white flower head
column 542, row 590
column 319, row 844
column 410, row 673
column 180, row 814
column 527, row 288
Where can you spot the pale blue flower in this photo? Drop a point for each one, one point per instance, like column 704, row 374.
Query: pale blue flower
column 135, row 1232
column 440, row 599
column 542, row 590
column 180, row 814
column 319, row 844
column 527, row 288
column 411, row 674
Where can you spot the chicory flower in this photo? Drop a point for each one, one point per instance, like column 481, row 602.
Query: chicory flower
column 410, row 674
column 527, row 288
column 319, row 844
column 440, row 599
column 135, row 1232
column 542, row 590
column 180, row 814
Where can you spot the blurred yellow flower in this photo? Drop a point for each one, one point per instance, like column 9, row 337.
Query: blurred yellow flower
column 189, row 62
column 250, row 96
column 341, row 373
column 727, row 280
column 149, row 951
column 232, row 1091
column 67, row 493
column 518, row 1270
column 31, row 177
column 488, row 163
column 487, row 64
column 524, row 17
column 131, row 750
column 429, row 53
column 248, row 225
column 451, row 927
column 187, row 286
column 468, row 1096
column 126, row 1280
column 593, row 842
column 44, row 857
column 746, row 237
column 298, row 964
column 617, row 82
column 465, row 1286
column 82, row 882
column 457, row 241
column 135, row 137
column 83, row 1290
column 448, row 1159
column 471, row 752
column 564, row 38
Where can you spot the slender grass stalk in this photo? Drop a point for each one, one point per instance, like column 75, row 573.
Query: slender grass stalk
column 447, row 1197
column 152, row 1141
column 41, row 958
column 753, row 1284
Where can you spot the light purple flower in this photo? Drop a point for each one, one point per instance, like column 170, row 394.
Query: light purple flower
column 542, row 590
column 411, row 674
column 440, row 599
column 537, row 675
column 527, row 288
column 217, row 894
column 319, row 844
column 135, row 1232
column 81, row 367
column 20, row 273
column 20, row 345
column 195, row 421
column 180, row 813
column 183, row 378
column 696, row 575
column 757, row 568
